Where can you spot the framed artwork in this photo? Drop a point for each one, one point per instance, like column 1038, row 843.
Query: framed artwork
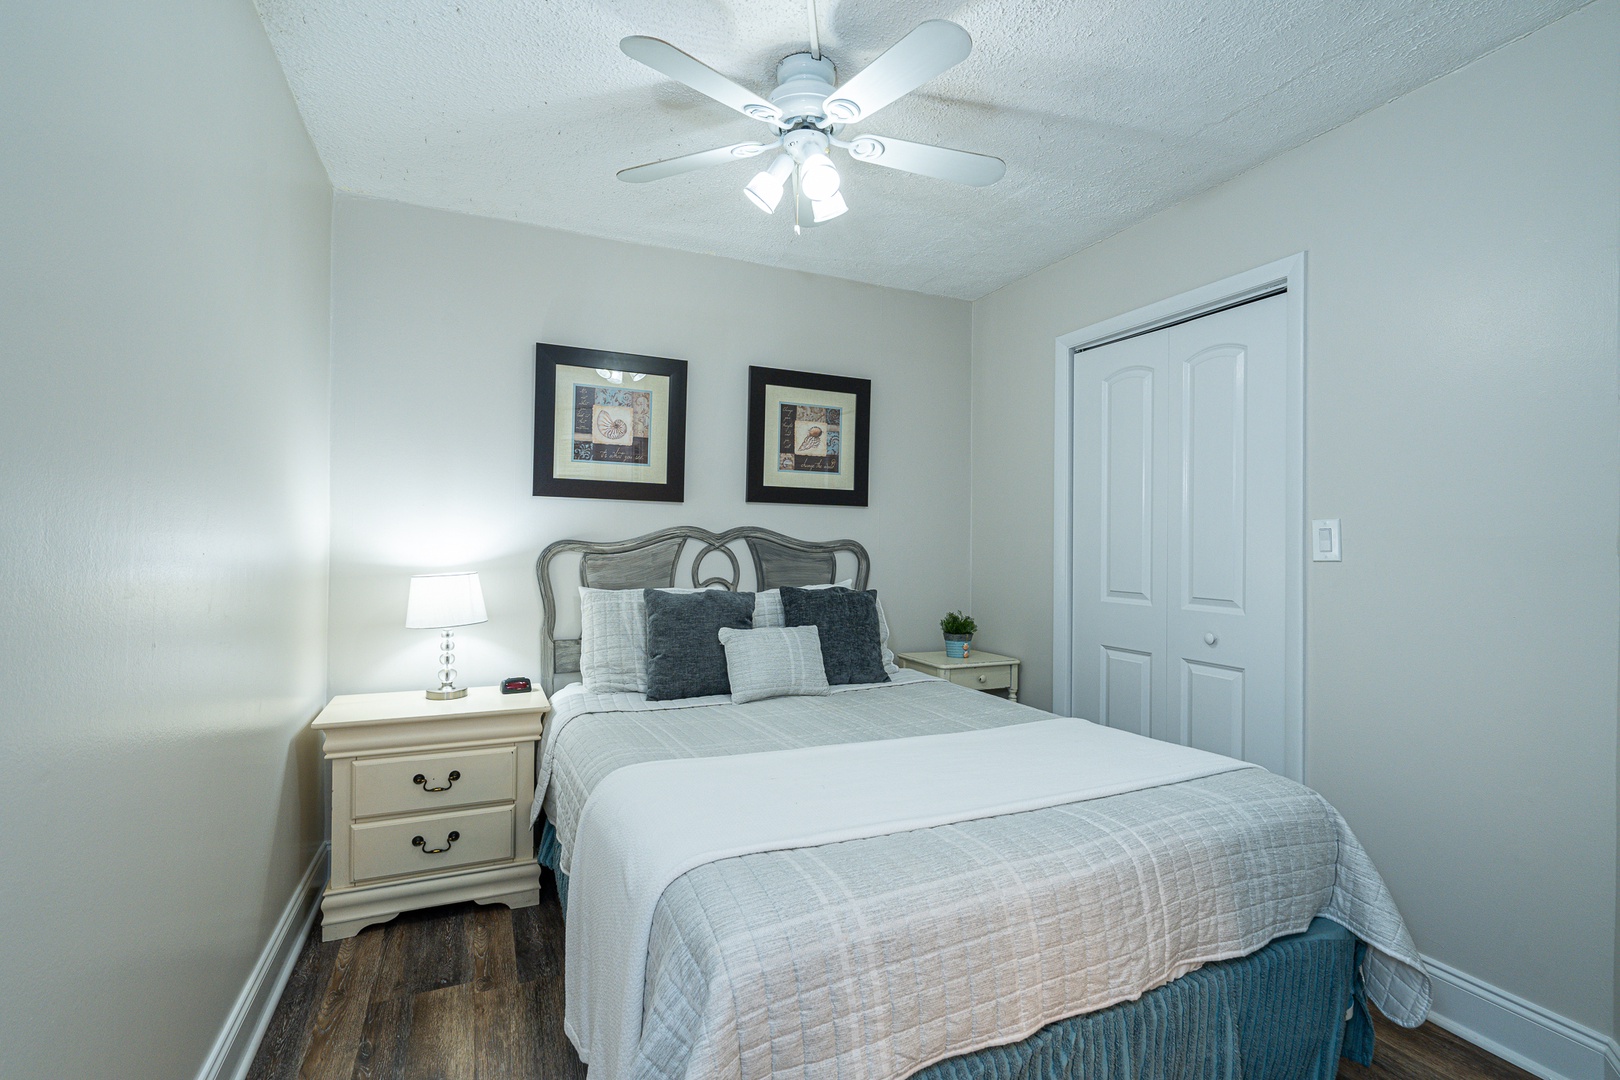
column 609, row 425
column 808, row 437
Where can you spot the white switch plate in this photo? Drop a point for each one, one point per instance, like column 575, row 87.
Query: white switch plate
column 1325, row 540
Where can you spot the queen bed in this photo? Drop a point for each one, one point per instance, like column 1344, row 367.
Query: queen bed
column 899, row 876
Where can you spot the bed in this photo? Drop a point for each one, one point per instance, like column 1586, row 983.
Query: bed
column 911, row 878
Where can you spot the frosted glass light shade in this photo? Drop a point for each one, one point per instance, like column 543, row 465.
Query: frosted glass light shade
column 765, row 189
column 439, row 600
column 818, row 177
column 828, row 208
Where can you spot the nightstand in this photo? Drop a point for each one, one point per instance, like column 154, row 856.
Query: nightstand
column 430, row 803
column 980, row 671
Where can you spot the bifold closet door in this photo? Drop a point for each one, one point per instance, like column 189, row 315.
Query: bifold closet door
column 1120, row 574
column 1180, row 533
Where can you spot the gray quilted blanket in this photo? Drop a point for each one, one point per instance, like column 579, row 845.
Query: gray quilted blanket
column 876, row 957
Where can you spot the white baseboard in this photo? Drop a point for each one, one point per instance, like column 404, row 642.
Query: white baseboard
column 245, row 1024
column 1536, row 1040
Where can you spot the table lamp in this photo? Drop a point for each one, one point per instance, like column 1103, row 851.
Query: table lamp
column 441, row 601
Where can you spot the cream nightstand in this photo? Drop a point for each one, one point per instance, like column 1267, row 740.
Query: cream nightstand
column 981, row 670
column 430, row 803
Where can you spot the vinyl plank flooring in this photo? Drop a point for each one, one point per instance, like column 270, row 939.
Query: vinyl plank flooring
column 1429, row 1052
column 441, row 1042
column 384, row 1040
column 281, row 1051
column 552, row 1050
column 494, row 956
column 334, row 1037
column 503, row 1033
column 537, row 935
column 476, row 993
column 425, row 950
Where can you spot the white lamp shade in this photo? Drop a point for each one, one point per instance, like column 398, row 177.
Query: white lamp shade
column 439, row 600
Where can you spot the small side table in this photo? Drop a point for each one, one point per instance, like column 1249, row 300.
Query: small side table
column 980, row 671
column 430, row 803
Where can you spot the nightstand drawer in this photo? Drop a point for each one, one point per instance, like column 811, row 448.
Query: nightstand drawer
column 388, row 848
column 405, row 784
column 984, row 678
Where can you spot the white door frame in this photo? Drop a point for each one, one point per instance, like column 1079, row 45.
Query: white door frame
column 1288, row 273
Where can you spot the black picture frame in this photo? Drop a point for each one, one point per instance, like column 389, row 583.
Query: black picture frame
column 548, row 359
column 762, row 382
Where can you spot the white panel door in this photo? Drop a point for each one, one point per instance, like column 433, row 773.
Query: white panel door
column 1180, row 533
column 1120, row 574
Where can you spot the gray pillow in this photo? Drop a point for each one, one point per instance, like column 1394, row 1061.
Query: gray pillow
column 777, row 661
column 847, row 621
column 684, row 655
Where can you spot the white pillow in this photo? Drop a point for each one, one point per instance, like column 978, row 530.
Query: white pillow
column 613, row 639
column 777, row 661
column 768, row 612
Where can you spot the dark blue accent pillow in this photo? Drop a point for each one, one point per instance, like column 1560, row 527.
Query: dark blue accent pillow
column 851, row 650
column 684, row 655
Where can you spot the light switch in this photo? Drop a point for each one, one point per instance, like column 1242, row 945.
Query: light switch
column 1325, row 540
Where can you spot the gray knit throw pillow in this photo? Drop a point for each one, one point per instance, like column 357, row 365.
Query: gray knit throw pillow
column 684, row 655
column 847, row 620
column 778, row 661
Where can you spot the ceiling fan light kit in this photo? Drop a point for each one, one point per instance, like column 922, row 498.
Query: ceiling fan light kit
column 765, row 189
column 828, row 208
column 819, row 178
column 808, row 109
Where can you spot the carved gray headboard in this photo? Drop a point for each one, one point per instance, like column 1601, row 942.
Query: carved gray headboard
column 653, row 561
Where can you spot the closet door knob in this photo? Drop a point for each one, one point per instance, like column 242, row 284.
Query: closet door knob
column 1210, row 639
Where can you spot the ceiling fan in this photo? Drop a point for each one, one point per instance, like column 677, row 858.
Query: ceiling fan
column 809, row 111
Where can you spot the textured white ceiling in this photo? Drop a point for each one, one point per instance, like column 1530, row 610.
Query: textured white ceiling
column 1106, row 111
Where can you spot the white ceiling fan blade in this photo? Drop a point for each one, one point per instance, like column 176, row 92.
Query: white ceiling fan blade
column 933, row 47
column 663, row 57
column 978, row 170
column 674, row 166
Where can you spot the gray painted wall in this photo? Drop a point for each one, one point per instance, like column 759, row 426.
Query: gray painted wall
column 1462, row 421
column 164, row 252
column 435, row 318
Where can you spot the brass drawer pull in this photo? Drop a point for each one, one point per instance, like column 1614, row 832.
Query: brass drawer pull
column 417, row 841
column 420, row 779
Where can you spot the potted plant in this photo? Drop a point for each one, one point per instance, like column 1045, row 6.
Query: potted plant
column 959, row 630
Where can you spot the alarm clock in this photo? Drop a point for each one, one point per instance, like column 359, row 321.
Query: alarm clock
column 516, row 685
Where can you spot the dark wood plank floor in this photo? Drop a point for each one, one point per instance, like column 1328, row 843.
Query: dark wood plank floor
column 1427, row 1053
column 475, row 993
column 453, row 993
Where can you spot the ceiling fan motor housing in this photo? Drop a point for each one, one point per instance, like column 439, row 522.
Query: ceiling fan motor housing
column 803, row 85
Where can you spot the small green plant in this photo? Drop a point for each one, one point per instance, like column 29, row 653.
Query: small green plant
column 958, row 623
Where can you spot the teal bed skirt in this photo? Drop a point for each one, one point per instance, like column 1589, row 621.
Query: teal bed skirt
column 1286, row 1012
